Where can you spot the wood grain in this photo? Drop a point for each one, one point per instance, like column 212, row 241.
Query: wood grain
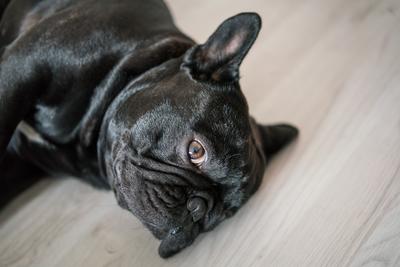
column 331, row 199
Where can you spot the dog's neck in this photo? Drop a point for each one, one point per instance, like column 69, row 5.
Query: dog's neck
column 130, row 67
column 131, row 90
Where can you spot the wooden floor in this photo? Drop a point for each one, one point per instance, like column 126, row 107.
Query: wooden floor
column 331, row 199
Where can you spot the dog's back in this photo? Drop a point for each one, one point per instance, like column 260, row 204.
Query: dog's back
column 91, row 50
column 19, row 16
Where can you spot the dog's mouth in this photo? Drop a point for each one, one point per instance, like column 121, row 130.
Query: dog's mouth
column 174, row 200
column 175, row 203
column 165, row 192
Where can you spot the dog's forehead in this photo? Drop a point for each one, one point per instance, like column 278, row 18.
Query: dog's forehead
column 180, row 104
column 172, row 123
column 222, row 98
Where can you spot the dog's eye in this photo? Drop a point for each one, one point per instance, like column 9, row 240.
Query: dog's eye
column 197, row 153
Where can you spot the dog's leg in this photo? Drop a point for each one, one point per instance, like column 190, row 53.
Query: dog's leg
column 3, row 6
column 21, row 82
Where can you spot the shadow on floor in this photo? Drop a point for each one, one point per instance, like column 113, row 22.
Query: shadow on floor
column 16, row 176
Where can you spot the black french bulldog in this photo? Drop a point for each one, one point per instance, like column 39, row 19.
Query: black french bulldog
column 112, row 92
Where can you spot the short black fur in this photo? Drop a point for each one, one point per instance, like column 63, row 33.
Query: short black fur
column 113, row 93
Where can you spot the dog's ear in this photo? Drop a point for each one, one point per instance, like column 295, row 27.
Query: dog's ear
column 178, row 239
column 275, row 137
column 219, row 58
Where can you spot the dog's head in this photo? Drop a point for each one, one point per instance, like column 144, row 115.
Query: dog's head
column 178, row 144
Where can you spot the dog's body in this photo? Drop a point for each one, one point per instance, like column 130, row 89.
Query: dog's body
column 94, row 54
column 111, row 91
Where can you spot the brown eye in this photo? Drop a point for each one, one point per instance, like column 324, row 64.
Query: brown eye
column 197, row 153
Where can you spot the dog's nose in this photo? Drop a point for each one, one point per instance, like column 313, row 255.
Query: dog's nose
column 199, row 205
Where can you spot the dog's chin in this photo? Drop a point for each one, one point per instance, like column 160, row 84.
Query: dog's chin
column 187, row 218
column 172, row 208
column 175, row 236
